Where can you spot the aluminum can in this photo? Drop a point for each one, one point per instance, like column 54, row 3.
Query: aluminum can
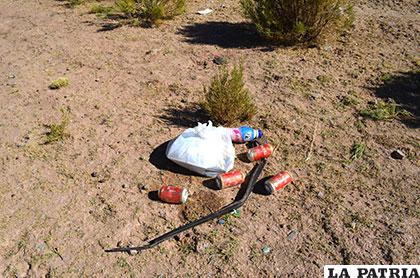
column 173, row 194
column 278, row 181
column 232, row 178
column 259, row 152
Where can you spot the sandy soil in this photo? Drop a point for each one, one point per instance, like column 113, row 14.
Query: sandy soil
column 133, row 89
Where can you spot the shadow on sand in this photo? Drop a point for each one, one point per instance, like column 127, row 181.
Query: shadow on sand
column 159, row 160
column 184, row 117
column 225, row 35
column 404, row 89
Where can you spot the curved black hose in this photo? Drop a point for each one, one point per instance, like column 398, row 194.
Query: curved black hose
column 252, row 180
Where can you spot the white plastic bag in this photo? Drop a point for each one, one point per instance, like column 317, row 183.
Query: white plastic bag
column 205, row 149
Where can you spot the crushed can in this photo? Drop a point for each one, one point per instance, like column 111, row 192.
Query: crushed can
column 229, row 179
column 278, row 181
column 173, row 194
column 259, row 152
column 244, row 134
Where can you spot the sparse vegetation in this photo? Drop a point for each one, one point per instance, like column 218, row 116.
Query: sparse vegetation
column 384, row 111
column 134, row 90
column 122, row 262
column 255, row 254
column 386, row 77
column 357, row 151
column 59, row 83
column 151, row 12
column 349, row 100
column 324, row 79
column 57, row 131
column 227, row 101
column 301, row 86
column 101, row 10
column 73, row 3
column 355, row 220
column 20, row 245
column 187, row 246
column 229, row 248
column 294, row 21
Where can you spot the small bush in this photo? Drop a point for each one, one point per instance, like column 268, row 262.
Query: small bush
column 384, row 111
column 74, row 3
column 101, row 10
column 128, row 7
column 59, row 83
column 152, row 12
column 294, row 21
column 357, row 151
column 57, row 131
column 349, row 100
column 227, row 101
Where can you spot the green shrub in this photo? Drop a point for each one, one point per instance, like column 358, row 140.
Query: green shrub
column 152, row 12
column 357, row 151
column 74, row 3
column 101, row 10
column 128, row 7
column 59, row 83
column 294, row 21
column 227, row 101
column 57, row 131
column 384, row 111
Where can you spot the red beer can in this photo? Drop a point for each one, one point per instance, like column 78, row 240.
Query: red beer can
column 259, row 152
column 278, row 181
column 173, row 194
column 232, row 178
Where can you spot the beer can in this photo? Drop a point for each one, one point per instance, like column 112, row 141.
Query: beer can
column 173, row 194
column 259, row 152
column 278, row 181
column 232, row 178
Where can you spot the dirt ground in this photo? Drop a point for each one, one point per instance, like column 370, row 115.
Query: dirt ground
column 132, row 89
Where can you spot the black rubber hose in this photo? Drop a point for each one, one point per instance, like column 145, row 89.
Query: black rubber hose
column 252, row 180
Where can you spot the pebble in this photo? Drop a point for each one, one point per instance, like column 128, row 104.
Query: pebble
column 397, row 154
column 41, row 246
column 94, row 174
column 266, row 250
column 220, row 60
column 321, row 194
column 22, row 269
column 315, row 95
column 143, row 187
column 132, row 252
column 152, row 51
column 292, row 234
column 162, row 214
